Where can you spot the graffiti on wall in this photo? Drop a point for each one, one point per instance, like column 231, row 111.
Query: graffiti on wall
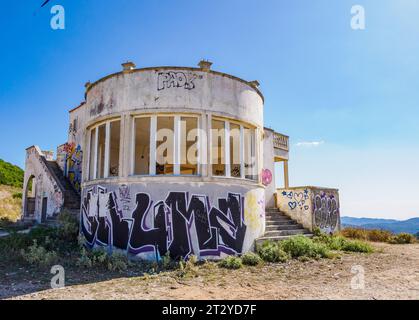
column 326, row 211
column 297, row 199
column 173, row 79
column 74, row 158
column 266, row 177
column 72, row 128
column 182, row 224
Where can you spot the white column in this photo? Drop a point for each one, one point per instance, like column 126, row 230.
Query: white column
column 95, row 154
column 242, row 166
column 107, row 148
column 153, row 128
column 86, row 163
column 201, row 158
column 209, row 148
column 176, row 144
column 227, row 149
column 132, row 144
column 256, row 143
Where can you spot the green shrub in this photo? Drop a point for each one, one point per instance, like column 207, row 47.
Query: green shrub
column 336, row 242
column 166, row 261
column 356, row 246
column 188, row 269
column 13, row 244
column 298, row 246
column 231, row 262
column 68, row 226
column 272, row 252
column 38, row 255
column 339, row 243
column 251, row 259
column 10, row 174
column 117, row 261
column 17, row 195
column 99, row 258
column 402, row 238
column 42, row 234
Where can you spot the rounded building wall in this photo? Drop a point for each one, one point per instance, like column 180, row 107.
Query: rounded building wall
column 170, row 88
column 138, row 198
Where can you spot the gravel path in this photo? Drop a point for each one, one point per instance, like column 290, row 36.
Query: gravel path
column 390, row 273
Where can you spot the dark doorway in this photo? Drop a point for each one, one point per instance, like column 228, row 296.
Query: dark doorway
column 44, row 209
column 30, row 196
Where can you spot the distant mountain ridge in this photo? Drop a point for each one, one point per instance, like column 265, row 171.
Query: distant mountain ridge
column 396, row 226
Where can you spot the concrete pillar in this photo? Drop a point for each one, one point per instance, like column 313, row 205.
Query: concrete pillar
column 286, row 176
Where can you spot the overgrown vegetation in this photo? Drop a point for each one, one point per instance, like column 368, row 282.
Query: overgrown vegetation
column 377, row 235
column 403, row 238
column 272, row 252
column 10, row 174
column 10, row 203
column 301, row 246
column 231, row 262
column 340, row 243
column 251, row 259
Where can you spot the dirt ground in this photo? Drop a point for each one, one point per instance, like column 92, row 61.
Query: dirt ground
column 392, row 272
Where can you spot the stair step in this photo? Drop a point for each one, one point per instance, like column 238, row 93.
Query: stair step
column 278, row 219
column 291, row 232
column 281, row 223
column 283, row 227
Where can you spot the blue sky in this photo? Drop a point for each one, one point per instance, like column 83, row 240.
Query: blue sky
column 355, row 92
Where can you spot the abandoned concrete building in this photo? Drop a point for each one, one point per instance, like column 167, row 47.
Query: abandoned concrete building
column 174, row 159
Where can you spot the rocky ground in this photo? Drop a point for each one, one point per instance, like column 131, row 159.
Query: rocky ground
column 392, row 272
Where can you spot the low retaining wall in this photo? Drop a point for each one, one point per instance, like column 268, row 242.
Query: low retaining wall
column 311, row 206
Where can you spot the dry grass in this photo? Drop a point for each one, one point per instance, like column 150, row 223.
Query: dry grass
column 10, row 207
column 375, row 235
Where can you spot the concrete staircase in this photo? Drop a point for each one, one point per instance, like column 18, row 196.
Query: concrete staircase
column 71, row 196
column 280, row 227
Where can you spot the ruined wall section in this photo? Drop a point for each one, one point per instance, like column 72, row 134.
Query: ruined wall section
column 44, row 183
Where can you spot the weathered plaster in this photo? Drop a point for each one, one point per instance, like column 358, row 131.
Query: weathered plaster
column 45, row 185
column 311, row 206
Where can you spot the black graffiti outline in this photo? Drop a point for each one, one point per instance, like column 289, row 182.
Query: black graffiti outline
column 179, row 212
column 326, row 211
column 173, row 79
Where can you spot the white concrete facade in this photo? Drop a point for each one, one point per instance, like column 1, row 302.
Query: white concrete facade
column 131, row 202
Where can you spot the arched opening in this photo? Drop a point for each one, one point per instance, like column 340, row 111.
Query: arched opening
column 30, row 196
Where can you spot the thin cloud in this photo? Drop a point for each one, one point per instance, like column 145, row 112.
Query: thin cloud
column 309, row 143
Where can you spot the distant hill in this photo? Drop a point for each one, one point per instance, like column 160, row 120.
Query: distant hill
column 396, row 226
column 11, row 175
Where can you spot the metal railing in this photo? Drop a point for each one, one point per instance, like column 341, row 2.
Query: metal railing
column 281, row 141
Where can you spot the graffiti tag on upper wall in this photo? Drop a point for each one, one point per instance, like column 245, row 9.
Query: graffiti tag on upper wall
column 181, row 224
column 173, row 79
